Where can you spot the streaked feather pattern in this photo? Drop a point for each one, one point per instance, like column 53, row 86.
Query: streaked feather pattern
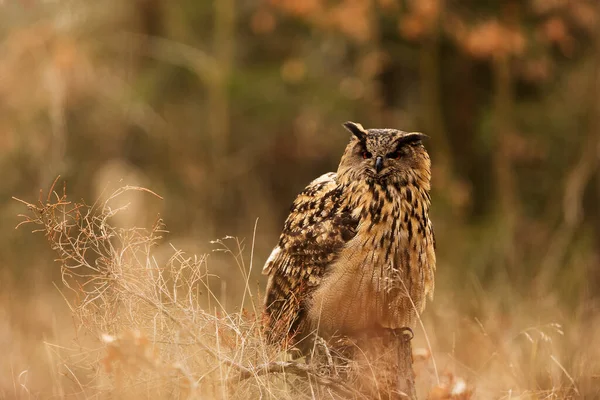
column 357, row 249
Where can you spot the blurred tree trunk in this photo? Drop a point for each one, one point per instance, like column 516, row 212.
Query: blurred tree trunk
column 223, row 52
column 507, row 202
column 150, row 14
column 594, row 148
column 218, row 99
column 148, row 17
column 432, row 116
column 462, row 106
column 214, row 71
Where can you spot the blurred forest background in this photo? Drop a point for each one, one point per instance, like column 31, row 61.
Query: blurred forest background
column 228, row 108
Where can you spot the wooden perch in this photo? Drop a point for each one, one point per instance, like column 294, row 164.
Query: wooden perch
column 385, row 365
column 406, row 374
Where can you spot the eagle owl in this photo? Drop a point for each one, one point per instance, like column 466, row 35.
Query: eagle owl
column 357, row 249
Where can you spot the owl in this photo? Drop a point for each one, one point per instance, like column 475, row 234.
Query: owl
column 357, row 249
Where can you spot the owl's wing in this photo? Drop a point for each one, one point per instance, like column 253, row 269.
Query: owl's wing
column 313, row 235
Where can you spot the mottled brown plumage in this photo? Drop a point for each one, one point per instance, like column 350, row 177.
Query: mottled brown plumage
column 357, row 249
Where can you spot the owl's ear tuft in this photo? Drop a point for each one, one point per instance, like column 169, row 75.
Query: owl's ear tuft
column 412, row 137
column 357, row 130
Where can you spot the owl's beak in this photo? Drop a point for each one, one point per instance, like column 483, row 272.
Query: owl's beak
column 378, row 164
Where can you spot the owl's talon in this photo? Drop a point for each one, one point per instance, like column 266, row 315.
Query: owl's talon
column 405, row 332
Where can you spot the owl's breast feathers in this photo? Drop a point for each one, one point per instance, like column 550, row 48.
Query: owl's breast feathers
column 350, row 255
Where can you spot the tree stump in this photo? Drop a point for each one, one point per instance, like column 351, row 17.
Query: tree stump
column 383, row 365
column 406, row 373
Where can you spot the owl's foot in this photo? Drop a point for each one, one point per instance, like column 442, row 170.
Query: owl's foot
column 405, row 332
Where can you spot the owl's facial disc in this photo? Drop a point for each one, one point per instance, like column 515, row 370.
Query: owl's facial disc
column 390, row 151
column 383, row 155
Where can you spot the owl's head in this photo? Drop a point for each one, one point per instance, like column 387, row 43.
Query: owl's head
column 385, row 156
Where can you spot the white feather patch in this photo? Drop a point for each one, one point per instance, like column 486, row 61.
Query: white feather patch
column 268, row 265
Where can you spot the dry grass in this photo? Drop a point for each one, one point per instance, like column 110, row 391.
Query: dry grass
column 156, row 327
column 149, row 325
column 134, row 317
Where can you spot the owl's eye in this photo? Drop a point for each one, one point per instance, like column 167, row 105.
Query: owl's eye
column 396, row 155
column 366, row 154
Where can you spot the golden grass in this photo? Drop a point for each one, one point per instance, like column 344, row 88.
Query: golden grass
column 156, row 326
column 149, row 323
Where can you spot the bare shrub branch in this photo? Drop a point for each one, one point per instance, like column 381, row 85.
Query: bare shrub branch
column 149, row 318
